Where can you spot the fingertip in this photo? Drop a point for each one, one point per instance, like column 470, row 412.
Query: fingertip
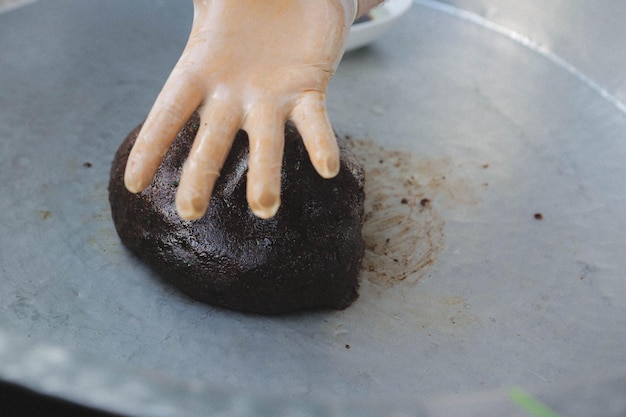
column 263, row 194
column 194, row 190
column 265, row 204
column 190, row 208
column 324, row 156
column 133, row 181
column 189, row 212
column 328, row 166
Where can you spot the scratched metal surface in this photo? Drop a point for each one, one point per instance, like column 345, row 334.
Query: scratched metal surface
column 493, row 130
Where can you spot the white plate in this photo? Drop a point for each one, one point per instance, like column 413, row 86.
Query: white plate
column 382, row 16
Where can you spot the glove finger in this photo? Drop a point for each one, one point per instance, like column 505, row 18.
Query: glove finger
column 219, row 123
column 266, row 133
column 172, row 108
column 311, row 119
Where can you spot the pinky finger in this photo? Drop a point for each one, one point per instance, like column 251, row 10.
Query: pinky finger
column 311, row 119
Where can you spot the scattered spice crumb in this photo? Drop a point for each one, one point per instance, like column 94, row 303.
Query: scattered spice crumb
column 485, row 166
column 404, row 201
column 45, row 214
column 538, row 216
column 424, row 202
column 380, row 161
column 347, row 346
column 87, row 164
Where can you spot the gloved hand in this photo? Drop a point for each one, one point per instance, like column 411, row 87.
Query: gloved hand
column 252, row 65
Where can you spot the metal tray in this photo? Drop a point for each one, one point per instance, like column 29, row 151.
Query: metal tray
column 510, row 238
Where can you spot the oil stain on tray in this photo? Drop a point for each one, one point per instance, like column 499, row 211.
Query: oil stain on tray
column 403, row 227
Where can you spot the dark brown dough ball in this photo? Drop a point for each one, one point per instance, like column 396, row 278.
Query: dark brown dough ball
column 306, row 257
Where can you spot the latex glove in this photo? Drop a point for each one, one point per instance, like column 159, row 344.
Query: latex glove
column 253, row 65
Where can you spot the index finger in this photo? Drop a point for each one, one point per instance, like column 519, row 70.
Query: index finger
column 172, row 108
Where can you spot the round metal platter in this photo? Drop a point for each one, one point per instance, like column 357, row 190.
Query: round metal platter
column 502, row 171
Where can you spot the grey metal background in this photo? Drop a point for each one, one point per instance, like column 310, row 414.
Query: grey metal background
column 534, row 91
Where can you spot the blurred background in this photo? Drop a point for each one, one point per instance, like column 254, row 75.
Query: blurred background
column 588, row 35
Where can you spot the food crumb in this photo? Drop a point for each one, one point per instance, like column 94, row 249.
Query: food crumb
column 347, row 346
column 424, row 202
column 87, row 164
column 404, row 201
column 538, row 216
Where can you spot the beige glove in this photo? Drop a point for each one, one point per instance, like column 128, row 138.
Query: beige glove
column 253, row 65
